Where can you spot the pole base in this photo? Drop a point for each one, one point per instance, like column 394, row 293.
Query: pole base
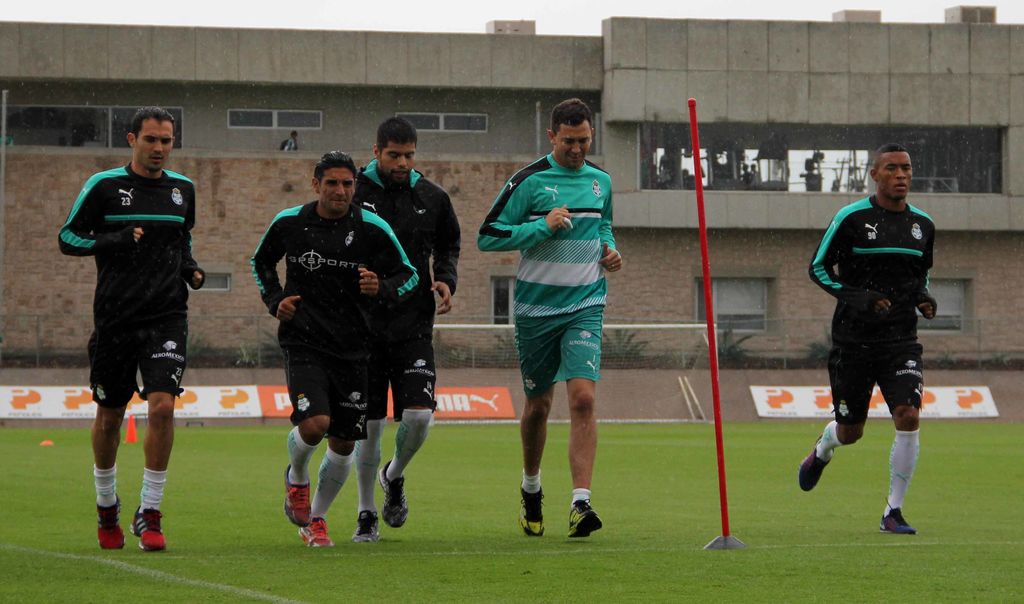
column 726, row 542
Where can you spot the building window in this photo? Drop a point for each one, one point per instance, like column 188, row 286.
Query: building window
column 447, row 122
column 808, row 157
column 217, row 282
column 740, row 304
column 502, row 293
column 310, row 120
column 422, row 121
column 290, row 119
column 951, row 296
column 70, row 126
column 250, row 118
column 466, row 122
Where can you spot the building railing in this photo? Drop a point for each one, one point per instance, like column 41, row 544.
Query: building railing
column 251, row 341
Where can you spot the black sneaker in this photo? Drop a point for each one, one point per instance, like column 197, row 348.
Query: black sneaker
column 893, row 522
column 395, row 510
column 366, row 527
column 811, row 468
column 583, row 520
column 531, row 517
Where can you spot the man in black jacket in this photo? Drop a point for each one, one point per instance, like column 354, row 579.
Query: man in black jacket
column 136, row 221
column 339, row 261
column 874, row 259
column 402, row 351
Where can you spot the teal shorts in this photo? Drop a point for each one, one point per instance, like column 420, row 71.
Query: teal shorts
column 559, row 348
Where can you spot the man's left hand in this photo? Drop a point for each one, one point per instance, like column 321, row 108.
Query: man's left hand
column 369, row 284
column 611, row 260
column 198, row 278
column 445, row 303
column 927, row 310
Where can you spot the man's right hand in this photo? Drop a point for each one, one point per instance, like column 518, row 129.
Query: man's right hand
column 137, row 233
column 558, row 218
column 882, row 306
column 287, row 307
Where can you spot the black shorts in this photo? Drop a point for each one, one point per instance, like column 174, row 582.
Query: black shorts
column 156, row 350
column 408, row 367
column 897, row 370
column 322, row 385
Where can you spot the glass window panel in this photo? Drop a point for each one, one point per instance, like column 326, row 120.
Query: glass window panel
column 740, row 304
column 217, row 282
column 87, row 126
column 811, row 157
column 58, row 126
column 423, row 121
column 949, row 293
column 250, row 118
column 950, row 296
column 739, row 295
column 502, row 289
column 465, row 121
column 298, row 119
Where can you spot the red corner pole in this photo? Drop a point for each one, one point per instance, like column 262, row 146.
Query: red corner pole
column 725, row 541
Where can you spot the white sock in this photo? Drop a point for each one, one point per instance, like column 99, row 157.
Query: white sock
column 106, row 486
column 412, row 432
column 152, row 488
column 902, row 461
column 580, row 495
column 367, row 462
column 828, row 443
column 334, row 471
column 531, row 484
column 299, row 451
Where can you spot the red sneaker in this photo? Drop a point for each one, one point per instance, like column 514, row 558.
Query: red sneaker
column 296, row 501
column 109, row 530
column 315, row 535
column 146, row 527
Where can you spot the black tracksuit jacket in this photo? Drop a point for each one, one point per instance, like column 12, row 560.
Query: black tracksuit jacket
column 869, row 253
column 424, row 221
column 137, row 281
column 322, row 258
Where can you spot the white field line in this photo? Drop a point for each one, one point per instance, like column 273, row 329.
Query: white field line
column 582, row 549
column 152, row 574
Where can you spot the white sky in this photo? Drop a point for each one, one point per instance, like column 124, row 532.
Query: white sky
column 553, row 17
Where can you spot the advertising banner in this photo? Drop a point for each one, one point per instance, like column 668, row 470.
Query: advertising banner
column 816, row 401
column 75, row 402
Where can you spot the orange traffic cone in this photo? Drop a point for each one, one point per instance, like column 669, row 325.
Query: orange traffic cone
column 130, row 436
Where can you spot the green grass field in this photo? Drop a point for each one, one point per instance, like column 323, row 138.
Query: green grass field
column 655, row 487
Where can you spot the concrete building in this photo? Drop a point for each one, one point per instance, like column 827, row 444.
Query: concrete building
column 788, row 110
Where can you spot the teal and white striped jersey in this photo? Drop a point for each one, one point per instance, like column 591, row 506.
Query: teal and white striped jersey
column 559, row 272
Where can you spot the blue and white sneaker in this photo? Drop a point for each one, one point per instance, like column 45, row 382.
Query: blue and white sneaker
column 811, row 468
column 894, row 523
